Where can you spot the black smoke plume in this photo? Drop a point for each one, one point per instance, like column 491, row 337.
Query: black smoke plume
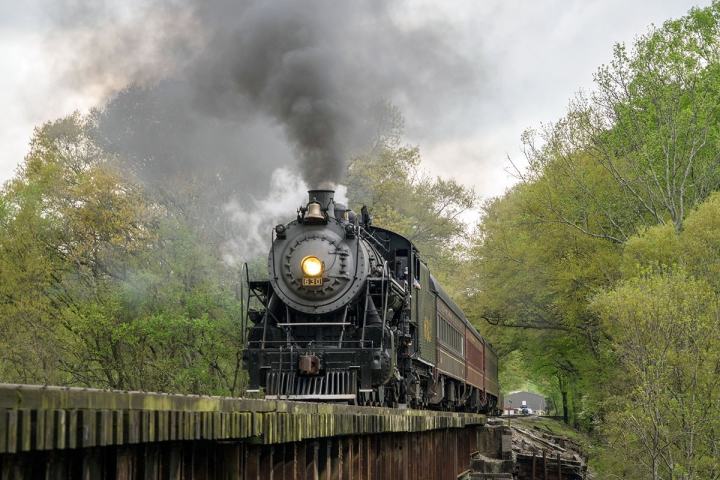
column 209, row 83
column 214, row 104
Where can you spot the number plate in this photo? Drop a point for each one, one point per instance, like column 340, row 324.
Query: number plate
column 312, row 282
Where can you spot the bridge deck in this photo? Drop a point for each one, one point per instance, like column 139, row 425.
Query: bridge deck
column 37, row 418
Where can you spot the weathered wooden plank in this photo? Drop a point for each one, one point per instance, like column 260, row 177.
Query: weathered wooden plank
column 3, row 431
column 301, row 460
column 119, row 427
column 150, row 425
column 140, row 418
column 184, row 427
column 188, row 460
column 38, row 397
column 146, row 426
column 175, row 464
column 25, row 432
column 201, row 463
column 104, row 427
column 229, row 462
column 206, row 425
column 171, row 426
column 313, row 467
column 161, row 426
column 92, row 465
column 74, row 433
column 125, row 464
column 216, row 425
column 61, row 429
column 57, row 466
column 10, row 470
column 48, row 434
column 87, row 420
column 152, row 463
column 37, row 430
column 132, row 420
column 195, row 425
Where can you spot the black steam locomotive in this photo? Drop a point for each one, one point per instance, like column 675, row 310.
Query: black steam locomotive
column 352, row 313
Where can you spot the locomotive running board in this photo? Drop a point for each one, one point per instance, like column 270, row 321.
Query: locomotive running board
column 310, row 397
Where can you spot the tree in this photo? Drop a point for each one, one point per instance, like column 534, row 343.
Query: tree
column 426, row 210
column 651, row 126
column 634, row 156
column 662, row 410
column 531, row 279
column 102, row 285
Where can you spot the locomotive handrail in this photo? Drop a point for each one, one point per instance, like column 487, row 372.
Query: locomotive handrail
column 342, row 333
column 287, row 330
column 272, row 252
column 243, row 312
column 311, row 324
column 364, row 322
column 361, row 343
column 267, row 308
column 386, row 274
column 252, row 292
column 357, row 253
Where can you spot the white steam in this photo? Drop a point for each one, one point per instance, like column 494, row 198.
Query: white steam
column 252, row 222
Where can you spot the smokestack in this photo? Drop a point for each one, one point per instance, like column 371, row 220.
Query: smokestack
column 325, row 198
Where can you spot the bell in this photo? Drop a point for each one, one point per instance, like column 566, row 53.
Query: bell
column 314, row 213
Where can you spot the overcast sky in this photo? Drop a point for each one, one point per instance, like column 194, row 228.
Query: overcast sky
column 533, row 55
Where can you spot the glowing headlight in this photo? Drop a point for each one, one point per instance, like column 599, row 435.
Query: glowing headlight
column 311, row 266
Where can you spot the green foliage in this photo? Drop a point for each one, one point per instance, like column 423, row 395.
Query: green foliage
column 600, row 268
column 425, row 210
column 696, row 248
column 662, row 411
column 650, row 129
column 658, row 245
column 516, row 372
column 701, row 241
column 101, row 285
column 533, row 279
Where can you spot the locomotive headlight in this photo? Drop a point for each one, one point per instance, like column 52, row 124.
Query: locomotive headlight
column 311, row 266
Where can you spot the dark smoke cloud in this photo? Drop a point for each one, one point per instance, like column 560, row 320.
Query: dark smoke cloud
column 165, row 141
column 217, row 106
column 232, row 89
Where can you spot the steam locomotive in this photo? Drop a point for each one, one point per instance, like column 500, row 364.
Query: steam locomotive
column 350, row 312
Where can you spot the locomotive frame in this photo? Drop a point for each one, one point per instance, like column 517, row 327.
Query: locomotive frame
column 375, row 329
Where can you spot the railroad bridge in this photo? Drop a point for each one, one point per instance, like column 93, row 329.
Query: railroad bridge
column 62, row 433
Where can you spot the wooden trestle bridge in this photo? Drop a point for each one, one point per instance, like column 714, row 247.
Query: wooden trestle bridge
column 67, row 433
